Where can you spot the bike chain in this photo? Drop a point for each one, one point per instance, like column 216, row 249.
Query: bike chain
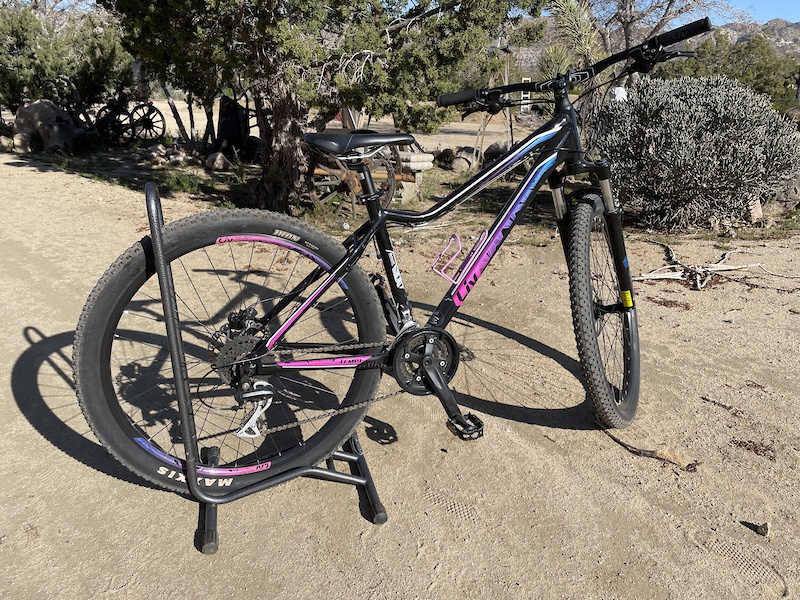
column 334, row 413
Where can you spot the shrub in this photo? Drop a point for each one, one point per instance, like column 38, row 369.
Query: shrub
column 86, row 48
column 688, row 150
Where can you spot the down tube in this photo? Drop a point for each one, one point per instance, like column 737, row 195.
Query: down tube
column 500, row 229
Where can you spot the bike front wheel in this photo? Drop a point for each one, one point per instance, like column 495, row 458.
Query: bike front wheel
column 606, row 331
column 238, row 276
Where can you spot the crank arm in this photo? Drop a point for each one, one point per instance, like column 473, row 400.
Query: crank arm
column 467, row 427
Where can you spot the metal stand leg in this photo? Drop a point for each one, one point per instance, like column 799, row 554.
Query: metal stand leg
column 210, row 540
column 351, row 452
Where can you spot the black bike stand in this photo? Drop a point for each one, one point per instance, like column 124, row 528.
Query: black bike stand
column 351, row 452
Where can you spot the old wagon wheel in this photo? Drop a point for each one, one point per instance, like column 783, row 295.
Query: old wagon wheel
column 332, row 183
column 114, row 126
column 147, row 123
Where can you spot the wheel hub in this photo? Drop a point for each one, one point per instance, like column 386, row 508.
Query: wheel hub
column 230, row 353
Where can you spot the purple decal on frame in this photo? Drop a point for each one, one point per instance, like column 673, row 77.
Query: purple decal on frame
column 470, row 278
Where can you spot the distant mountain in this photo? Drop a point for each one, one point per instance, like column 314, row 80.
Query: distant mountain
column 785, row 36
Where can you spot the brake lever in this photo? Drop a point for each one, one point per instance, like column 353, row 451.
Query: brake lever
column 471, row 110
column 681, row 54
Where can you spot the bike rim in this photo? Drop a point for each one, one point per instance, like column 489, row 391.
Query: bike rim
column 611, row 323
column 235, row 273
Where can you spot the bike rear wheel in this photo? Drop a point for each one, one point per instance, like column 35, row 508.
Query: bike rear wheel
column 233, row 271
column 606, row 332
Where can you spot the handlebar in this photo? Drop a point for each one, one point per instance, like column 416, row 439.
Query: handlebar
column 645, row 55
column 682, row 33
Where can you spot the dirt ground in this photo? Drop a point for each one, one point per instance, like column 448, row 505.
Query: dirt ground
column 545, row 505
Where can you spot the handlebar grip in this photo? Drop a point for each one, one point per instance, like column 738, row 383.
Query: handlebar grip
column 683, row 33
column 461, row 97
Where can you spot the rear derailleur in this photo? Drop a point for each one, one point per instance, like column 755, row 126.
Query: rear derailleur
column 232, row 352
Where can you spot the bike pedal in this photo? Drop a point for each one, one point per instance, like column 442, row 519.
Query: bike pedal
column 468, row 427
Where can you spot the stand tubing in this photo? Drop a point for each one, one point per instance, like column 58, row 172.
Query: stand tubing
column 351, row 453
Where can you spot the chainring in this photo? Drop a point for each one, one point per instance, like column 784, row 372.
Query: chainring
column 409, row 352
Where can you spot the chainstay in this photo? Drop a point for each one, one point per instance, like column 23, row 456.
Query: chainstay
column 333, row 413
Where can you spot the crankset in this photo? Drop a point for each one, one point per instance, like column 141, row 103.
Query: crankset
column 425, row 361
column 409, row 356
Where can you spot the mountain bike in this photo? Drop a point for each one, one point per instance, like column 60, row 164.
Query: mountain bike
column 285, row 337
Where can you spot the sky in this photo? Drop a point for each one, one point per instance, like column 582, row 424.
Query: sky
column 766, row 10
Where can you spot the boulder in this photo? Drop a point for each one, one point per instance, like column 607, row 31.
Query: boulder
column 57, row 137
column 461, row 164
column 43, row 119
column 218, row 162
column 495, row 151
column 466, row 160
column 788, row 193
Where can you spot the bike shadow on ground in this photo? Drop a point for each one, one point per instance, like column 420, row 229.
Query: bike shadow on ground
column 577, row 417
column 42, row 386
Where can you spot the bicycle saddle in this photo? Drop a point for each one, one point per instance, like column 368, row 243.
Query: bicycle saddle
column 341, row 143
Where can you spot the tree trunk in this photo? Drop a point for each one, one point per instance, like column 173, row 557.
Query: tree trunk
column 186, row 138
column 797, row 80
column 282, row 157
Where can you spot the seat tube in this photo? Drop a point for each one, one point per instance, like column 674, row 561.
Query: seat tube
column 372, row 199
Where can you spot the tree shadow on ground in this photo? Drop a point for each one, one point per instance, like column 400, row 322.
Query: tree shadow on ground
column 42, row 386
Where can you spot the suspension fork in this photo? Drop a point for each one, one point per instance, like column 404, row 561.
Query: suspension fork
column 556, row 183
column 613, row 216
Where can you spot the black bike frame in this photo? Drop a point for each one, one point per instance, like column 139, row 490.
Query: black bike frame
column 557, row 143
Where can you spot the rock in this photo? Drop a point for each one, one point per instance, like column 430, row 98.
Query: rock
column 22, row 142
column 466, row 159
column 57, row 137
column 158, row 149
column 470, row 153
column 218, row 162
column 495, row 151
column 461, row 165
column 763, row 529
column 34, row 120
column 788, row 194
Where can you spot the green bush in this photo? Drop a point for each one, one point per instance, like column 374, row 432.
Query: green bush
column 689, row 150
column 86, row 48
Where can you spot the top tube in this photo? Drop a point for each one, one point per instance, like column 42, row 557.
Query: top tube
column 485, row 177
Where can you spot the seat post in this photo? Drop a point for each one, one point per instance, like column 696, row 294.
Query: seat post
column 369, row 194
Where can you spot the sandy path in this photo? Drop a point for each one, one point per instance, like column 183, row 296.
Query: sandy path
column 544, row 506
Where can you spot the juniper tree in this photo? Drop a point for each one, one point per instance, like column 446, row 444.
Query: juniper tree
column 386, row 57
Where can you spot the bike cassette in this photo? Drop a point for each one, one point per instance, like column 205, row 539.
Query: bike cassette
column 410, row 351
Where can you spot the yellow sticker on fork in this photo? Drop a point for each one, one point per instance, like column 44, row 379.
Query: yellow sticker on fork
column 627, row 298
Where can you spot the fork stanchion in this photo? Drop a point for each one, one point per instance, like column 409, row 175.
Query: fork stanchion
column 351, row 452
